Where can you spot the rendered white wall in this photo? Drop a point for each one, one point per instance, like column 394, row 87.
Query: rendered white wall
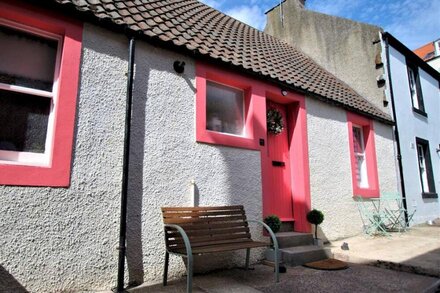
column 65, row 239
column 165, row 145
column 330, row 170
column 412, row 125
column 61, row 239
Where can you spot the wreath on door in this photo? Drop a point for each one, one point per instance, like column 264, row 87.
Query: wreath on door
column 275, row 123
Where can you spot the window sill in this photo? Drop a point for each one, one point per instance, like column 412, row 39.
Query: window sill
column 218, row 138
column 420, row 112
column 366, row 193
column 429, row 195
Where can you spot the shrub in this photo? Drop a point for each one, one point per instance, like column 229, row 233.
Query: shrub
column 315, row 217
column 274, row 222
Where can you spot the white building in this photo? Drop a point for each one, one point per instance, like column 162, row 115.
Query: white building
column 414, row 92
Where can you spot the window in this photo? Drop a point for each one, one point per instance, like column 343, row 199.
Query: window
column 363, row 156
column 425, row 168
column 28, row 79
column 39, row 71
column 225, row 108
column 359, row 154
column 415, row 89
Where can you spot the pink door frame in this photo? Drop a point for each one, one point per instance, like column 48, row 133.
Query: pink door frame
column 258, row 92
column 298, row 156
column 280, row 201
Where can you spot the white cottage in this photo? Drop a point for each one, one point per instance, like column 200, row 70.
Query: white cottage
column 414, row 92
column 202, row 88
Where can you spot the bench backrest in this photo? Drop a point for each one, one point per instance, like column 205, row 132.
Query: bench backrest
column 206, row 225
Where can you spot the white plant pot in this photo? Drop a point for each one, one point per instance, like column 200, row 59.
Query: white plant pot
column 318, row 242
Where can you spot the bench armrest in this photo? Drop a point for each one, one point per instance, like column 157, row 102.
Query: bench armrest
column 184, row 237
column 275, row 247
column 272, row 235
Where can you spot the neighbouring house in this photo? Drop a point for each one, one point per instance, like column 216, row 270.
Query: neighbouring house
column 354, row 52
column 430, row 53
column 204, row 84
column 414, row 90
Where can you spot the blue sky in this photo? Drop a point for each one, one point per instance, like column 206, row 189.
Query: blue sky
column 413, row 22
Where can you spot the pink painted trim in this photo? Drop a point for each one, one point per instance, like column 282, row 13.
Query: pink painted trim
column 370, row 154
column 299, row 161
column 206, row 72
column 58, row 173
column 258, row 92
column 298, row 154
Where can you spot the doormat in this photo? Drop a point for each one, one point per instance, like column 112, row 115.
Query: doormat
column 330, row 264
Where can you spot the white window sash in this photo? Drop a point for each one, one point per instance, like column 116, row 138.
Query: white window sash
column 362, row 180
column 28, row 158
column 422, row 169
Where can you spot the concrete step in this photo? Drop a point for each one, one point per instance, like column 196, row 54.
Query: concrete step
column 289, row 239
column 299, row 255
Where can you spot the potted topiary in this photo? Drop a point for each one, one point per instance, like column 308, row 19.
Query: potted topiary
column 274, row 222
column 316, row 217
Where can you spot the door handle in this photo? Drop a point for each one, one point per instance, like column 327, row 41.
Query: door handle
column 278, row 164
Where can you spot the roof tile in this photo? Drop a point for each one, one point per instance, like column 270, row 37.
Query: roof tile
column 196, row 26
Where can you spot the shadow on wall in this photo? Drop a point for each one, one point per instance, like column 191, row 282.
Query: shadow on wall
column 134, row 253
column 9, row 284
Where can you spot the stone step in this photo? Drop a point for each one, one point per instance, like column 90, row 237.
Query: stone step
column 299, row 255
column 289, row 239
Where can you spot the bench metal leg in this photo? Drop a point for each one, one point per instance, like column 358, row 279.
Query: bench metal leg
column 248, row 250
column 165, row 269
column 190, row 273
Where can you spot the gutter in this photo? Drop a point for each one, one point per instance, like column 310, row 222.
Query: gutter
column 396, row 129
column 125, row 167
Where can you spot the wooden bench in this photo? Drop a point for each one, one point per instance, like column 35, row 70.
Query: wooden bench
column 199, row 230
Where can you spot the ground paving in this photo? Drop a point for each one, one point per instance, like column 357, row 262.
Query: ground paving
column 377, row 264
column 417, row 250
column 357, row 278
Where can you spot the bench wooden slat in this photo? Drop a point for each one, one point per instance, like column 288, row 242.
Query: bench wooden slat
column 176, row 234
column 220, row 208
column 212, row 243
column 203, row 220
column 207, row 226
column 210, row 238
column 223, row 247
column 202, row 213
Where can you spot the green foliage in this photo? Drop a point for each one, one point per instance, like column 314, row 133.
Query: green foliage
column 315, row 217
column 274, row 222
column 275, row 123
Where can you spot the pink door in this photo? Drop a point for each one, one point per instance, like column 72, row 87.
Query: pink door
column 278, row 198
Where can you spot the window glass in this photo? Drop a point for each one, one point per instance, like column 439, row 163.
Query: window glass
column 23, row 119
column 224, row 109
column 359, row 153
column 422, row 168
column 27, row 60
column 413, row 88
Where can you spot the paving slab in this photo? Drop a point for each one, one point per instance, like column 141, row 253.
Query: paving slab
column 417, row 250
column 357, row 278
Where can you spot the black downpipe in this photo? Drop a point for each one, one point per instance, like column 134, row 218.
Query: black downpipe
column 396, row 131
column 123, row 220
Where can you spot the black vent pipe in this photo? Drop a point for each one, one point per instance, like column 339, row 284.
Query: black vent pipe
column 396, row 129
column 123, row 217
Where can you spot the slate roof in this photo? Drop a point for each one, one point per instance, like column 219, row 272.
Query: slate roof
column 199, row 28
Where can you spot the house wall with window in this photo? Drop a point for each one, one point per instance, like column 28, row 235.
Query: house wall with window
column 418, row 133
column 62, row 235
column 333, row 177
column 57, row 239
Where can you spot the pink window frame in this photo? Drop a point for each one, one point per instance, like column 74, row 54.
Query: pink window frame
column 57, row 173
column 206, row 73
column 370, row 156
